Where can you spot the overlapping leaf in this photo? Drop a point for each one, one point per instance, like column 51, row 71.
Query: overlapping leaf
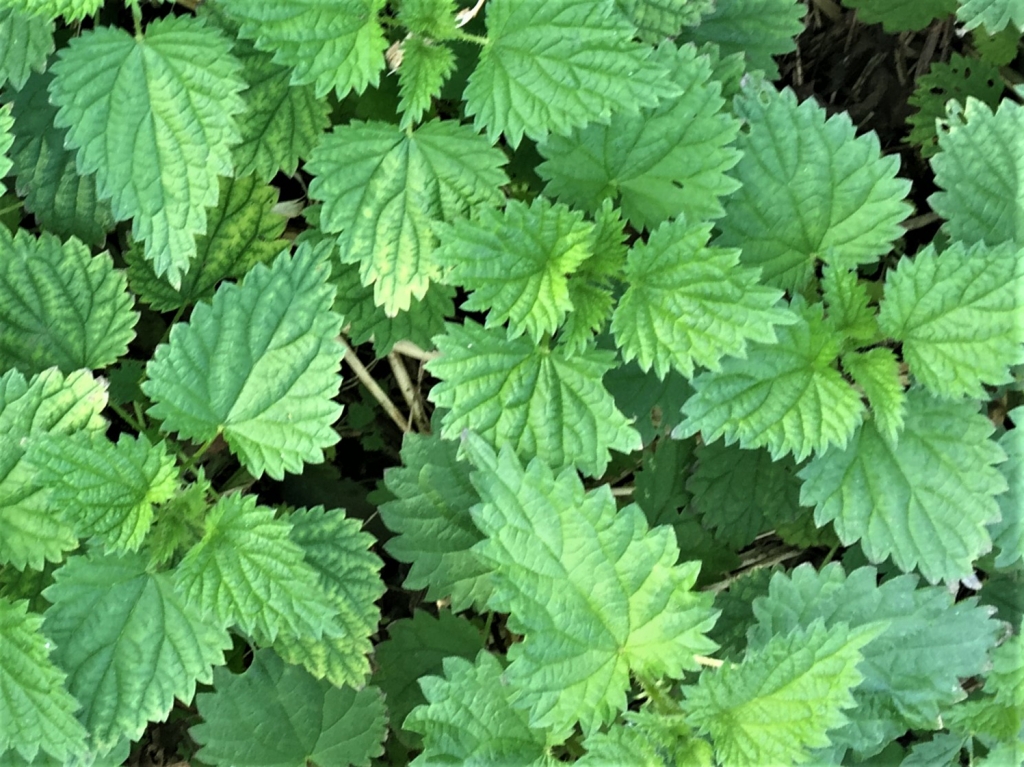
column 993, row 14
column 549, row 66
column 425, row 67
column 1000, row 713
column 383, row 188
column 6, row 140
column 847, row 306
column 811, row 190
column 1008, row 532
column 877, row 373
column 647, row 737
column 153, row 118
column 663, row 162
column 60, row 305
column 26, row 39
column 595, row 592
column 539, row 401
column 657, row 19
column 688, row 304
column 72, row 10
column 925, row 502
column 901, row 15
column 258, row 365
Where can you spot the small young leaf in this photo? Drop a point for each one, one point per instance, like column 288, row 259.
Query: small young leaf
column 425, row 67
column 877, row 372
column 847, row 310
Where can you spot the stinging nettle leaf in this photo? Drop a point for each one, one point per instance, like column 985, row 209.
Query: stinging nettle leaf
column 259, row 364
column 657, row 19
column 901, row 15
column 170, row 97
column 1008, row 533
column 993, row 14
column 26, row 39
column 6, row 140
column 847, row 306
column 425, row 67
column 877, row 372
column 71, row 10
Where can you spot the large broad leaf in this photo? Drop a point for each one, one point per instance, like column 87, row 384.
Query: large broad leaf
column 383, row 188
column 26, row 39
column 959, row 316
column 660, row 163
column 153, row 117
column 993, row 14
column 811, row 190
column 595, row 592
column 129, row 643
column 60, row 305
column 925, row 502
column 786, row 396
column 981, row 161
column 688, row 304
column 260, row 365
column 32, row 532
column 901, row 15
column 37, row 712
column 276, row 715
column 335, row 44
column 540, row 401
column 549, row 66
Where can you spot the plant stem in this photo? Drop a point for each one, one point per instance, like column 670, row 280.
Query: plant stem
column 372, row 386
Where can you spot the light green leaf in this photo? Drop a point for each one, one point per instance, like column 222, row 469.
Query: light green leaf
column 247, row 572
column 657, row 19
column 258, row 365
column 276, row 715
column 26, row 39
column 425, row 67
column 1008, row 533
column 540, row 401
column 153, row 118
column 981, row 159
column 549, row 66
column 688, row 304
column 243, row 230
column 1000, row 713
column 517, row 265
column 102, row 488
column 60, row 305
column 6, row 140
column 993, row 14
column 414, row 648
column 877, row 372
column 595, row 592
column 30, row 531
column 469, row 719
column 430, row 515
column 759, row 29
column 847, row 310
column 62, row 201
column 336, row 44
column 72, row 10
column 383, row 188
column 337, row 550
column 663, row 162
column 959, row 316
column 925, row 502
column 37, row 711
column 647, row 738
column 786, row 396
column 776, row 706
column 128, row 642
column 428, row 18
column 811, row 190
column 901, row 15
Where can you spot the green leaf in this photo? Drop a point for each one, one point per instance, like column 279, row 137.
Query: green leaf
column 425, row 67
column 337, row 550
column 430, row 515
column 958, row 315
column 60, row 305
column 663, row 162
column 26, row 39
column 1000, row 713
column 654, row 406
column 6, row 140
column 981, row 160
column 335, row 44
column 877, row 372
column 998, row 49
column 540, row 401
column 993, row 14
column 283, row 122
column 1008, row 532
column 128, row 642
column 660, row 483
column 243, row 230
column 31, row 532
column 758, row 29
column 776, row 706
column 595, row 592
column 811, row 190
column 515, row 278
column 648, row 738
column 925, row 502
column 470, row 720
column 549, row 66
column 276, row 715
column 414, row 648
column 911, row 670
column 170, row 98
column 383, row 188
column 71, row 10
column 247, row 572
column 787, row 396
column 657, row 19
column 62, row 201
column 37, row 711
column 258, row 365
column 901, row 15
column 428, row 18
column 848, row 312
column 102, row 488
column 742, row 493
column 689, row 304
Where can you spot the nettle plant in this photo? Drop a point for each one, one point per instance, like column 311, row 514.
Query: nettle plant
column 668, row 316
